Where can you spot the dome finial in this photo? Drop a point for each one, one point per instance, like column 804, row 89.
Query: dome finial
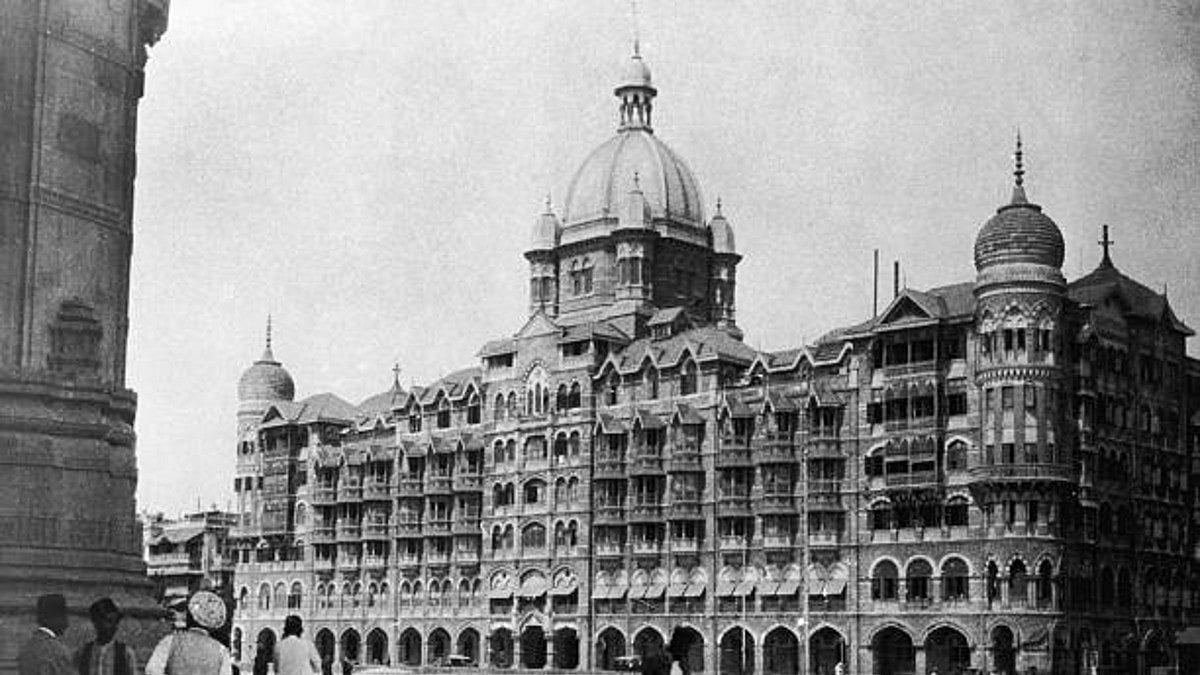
column 396, row 375
column 637, row 42
column 1018, row 196
column 548, row 205
column 719, row 214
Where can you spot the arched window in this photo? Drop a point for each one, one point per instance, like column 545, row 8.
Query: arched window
column 688, row 378
column 1017, row 583
column 443, row 414
column 533, row 536
column 573, row 444
column 534, row 491
column 881, row 516
column 498, row 410
column 993, row 581
column 955, row 580
column 1108, row 590
column 280, row 599
column 513, row 410
column 497, row 538
column 917, row 578
column 956, row 512
column 301, row 515
column 1045, row 581
column 650, row 383
column 498, row 456
column 562, row 400
column 575, row 397
column 243, row 598
column 295, row 596
column 612, row 389
column 885, row 581
column 509, row 537
column 473, row 413
column 956, row 456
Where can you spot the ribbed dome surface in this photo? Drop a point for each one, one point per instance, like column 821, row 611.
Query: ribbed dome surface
column 1019, row 233
column 266, row 380
column 602, row 184
column 637, row 73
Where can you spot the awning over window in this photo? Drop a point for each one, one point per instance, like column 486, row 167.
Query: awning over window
column 655, row 591
column 835, row 587
column 767, row 587
column 601, row 592
column 617, row 592
column 565, row 589
column 637, row 592
column 500, row 593
column 726, row 588
column 695, row 590
column 744, row 588
column 677, row 590
column 788, row 587
column 533, row 587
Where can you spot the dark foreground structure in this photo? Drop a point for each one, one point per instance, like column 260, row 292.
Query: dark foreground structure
column 997, row 474
column 72, row 75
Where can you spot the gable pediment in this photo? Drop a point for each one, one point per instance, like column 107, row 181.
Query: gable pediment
column 538, row 325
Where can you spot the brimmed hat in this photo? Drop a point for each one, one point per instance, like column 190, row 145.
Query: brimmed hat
column 207, row 609
column 105, row 607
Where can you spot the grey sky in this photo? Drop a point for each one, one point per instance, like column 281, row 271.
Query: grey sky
column 369, row 172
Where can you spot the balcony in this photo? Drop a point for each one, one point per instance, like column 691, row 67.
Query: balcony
column 826, row 539
column 466, row 525
column 685, row 508
column 645, row 513
column 1011, row 473
column 173, row 560
column 734, row 455
column 824, row 447
column 407, row 528
column 608, row 549
column 322, row 534
column 777, row 504
column 647, row 546
column 646, row 465
column 685, row 545
column 408, row 559
column 439, row 485
column 733, row 505
column 467, row 556
column 686, row 462
column 349, row 492
column 774, row 541
column 914, row 478
column 824, row 486
column 733, row 542
column 377, row 491
column 348, row 562
column 437, row 557
column 610, row 468
column 610, row 515
column 349, row 532
column 375, row 562
column 376, row 531
column 468, row 483
column 438, row 528
column 776, row 452
column 410, row 487
column 324, row 495
column 324, row 564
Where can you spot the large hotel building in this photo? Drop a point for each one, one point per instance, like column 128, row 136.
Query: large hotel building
column 998, row 474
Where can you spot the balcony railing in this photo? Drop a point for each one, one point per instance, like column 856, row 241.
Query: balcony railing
column 375, row 561
column 777, row 503
column 610, row 468
column 685, row 507
column 824, row 538
column 609, row 549
column 348, row 532
column 410, row 487
column 377, row 490
column 324, row 564
column 439, row 485
column 689, row 461
column 436, row 557
column 406, row 559
column 172, row 559
column 777, row 541
column 376, row 530
column 733, row 456
column 348, row 562
column 349, row 492
column 645, row 465
column 468, row 483
column 645, row 512
column 1024, row 472
column 776, row 452
column 647, row 546
column 734, row 504
column 324, row 495
column 466, row 524
column 323, row 534
column 685, row 545
column 437, row 527
column 466, row 556
column 733, row 542
column 610, row 515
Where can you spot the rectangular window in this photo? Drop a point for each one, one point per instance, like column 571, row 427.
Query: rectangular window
column 1021, row 339
column 989, row 403
column 1009, row 453
column 1006, row 398
column 1008, row 339
column 1030, row 397
column 956, row 403
column 989, row 454
column 1031, row 456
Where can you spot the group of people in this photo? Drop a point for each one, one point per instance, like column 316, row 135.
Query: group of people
column 192, row 650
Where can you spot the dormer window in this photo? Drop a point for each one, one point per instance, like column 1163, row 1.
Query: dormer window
column 473, row 413
column 414, row 420
column 443, row 414
column 688, row 379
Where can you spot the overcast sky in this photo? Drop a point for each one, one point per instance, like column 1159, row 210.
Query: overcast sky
column 369, row 172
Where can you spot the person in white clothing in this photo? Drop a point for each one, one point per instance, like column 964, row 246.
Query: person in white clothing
column 193, row 651
column 294, row 655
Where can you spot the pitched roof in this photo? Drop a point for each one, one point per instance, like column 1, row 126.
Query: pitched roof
column 382, row 402
column 941, row 303
column 326, row 407
column 1107, row 281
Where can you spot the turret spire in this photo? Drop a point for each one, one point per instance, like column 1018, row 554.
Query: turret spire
column 635, row 92
column 1105, row 243
column 267, row 353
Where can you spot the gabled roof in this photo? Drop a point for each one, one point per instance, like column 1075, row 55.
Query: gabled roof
column 539, row 324
column 942, row 303
column 594, row 330
column 1138, row 301
column 382, row 402
column 179, row 535
column 325, row 408
column 706, row 343
column 455, row 385
column 498, row 347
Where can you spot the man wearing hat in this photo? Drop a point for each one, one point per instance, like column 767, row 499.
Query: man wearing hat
column 45, row 653
column 194, row 651
column 105, row 655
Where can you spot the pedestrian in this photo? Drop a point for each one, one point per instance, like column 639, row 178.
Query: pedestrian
column 194, row 651
column 105, row 655
column 45, row 653
column 294, row 655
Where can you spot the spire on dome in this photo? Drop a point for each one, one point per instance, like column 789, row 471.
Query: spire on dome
column 1018, row 196
column 635, row 92
column 719, row 214
column 267, row 354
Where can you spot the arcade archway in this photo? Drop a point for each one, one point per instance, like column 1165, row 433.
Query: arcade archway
column 736, row 652
column 533, row 647
column 501, row 642
column 377, row 647
column 947, row 652
column 781, row 652
column 893, row 652
column 468, row 645
column 566, row 649
column 610, row 646
column 826, row 649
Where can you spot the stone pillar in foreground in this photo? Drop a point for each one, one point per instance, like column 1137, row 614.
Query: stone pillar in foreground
column 71, row 75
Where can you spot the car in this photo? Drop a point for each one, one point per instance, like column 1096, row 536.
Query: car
column 628, row 663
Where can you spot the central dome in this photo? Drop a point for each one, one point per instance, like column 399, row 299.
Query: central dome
column 601, row 186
